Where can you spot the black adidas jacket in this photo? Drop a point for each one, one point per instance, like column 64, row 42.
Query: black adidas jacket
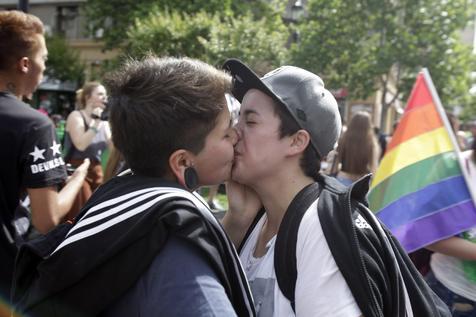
column 80, row 269
column 373, row 263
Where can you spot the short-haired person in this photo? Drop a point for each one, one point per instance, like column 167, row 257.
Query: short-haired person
column 145, row 244
column 30, row 155
column 288, row 121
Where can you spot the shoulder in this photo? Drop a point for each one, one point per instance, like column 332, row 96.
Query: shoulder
column 181, row 277
column 318, row 271
column 310, row 223
column 74, row 116
column 21, row 113
column 310, row 238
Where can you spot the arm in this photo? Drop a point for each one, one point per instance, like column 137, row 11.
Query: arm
column 455, row 246
column 243, row 204
column 110, row 145
column 80, row 137
column 48, row 206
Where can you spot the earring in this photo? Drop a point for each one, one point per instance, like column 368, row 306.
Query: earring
column 191, row 178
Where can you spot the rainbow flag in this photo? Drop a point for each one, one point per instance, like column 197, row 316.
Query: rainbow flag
column 420, row 190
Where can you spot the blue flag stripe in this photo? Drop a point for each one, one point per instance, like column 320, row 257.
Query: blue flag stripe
column 426, row 201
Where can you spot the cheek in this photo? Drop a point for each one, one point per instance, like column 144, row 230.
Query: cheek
column 224, row 153
column 220, row 156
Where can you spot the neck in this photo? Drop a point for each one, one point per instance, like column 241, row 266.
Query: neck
column 8, row 84
column 351, row 176
column 277, row 193
column 87, row 110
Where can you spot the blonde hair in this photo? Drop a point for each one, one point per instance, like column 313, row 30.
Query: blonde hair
column 84, row 93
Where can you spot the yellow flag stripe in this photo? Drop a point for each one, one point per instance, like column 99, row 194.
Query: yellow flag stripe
column 412, row 151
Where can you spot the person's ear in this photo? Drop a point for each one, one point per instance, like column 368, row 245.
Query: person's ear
column 299, row 142
column 23, row 65
column 181, row 165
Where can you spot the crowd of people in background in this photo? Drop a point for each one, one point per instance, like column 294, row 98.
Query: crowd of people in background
column 115, row 186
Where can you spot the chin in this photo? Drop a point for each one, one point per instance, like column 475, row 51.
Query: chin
column 237, row 176
column 219, row 179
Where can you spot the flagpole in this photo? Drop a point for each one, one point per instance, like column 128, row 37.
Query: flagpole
column 444, row 118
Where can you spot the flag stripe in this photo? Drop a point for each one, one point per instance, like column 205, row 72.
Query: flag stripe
column 412, row 151
column 410, row 179
column 441, row 225
column 413, row 123
column 425, row 202
column 419, row 190
column 420, row 94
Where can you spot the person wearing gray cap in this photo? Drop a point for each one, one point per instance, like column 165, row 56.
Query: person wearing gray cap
column 309, row 246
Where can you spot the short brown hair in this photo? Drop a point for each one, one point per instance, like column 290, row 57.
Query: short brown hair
column 17, row 36
column 160, row 105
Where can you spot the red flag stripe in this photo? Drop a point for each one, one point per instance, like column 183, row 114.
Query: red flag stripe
column 420, row 95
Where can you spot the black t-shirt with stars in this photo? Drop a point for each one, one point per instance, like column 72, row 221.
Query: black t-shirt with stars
column 30, row 156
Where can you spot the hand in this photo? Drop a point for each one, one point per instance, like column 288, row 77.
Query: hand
column 243, row 204
column 243, row 201
column 96, row 113
column 81, row 171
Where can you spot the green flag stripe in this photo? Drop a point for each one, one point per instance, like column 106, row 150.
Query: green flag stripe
column 413, row 178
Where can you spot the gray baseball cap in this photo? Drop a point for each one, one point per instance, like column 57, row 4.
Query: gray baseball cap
column 301, row 92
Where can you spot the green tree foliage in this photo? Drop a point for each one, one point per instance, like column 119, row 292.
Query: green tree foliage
column 114, row 17
column 63, row 61
column 259, row 43
column 209, row 37
column 174, row 34
column 382, row 44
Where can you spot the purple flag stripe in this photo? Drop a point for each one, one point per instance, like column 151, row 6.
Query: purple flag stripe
column 444, row 224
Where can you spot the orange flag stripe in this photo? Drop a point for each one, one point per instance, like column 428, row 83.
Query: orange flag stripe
column 417, row 121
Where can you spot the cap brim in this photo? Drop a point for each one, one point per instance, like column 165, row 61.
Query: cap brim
column 245, row 79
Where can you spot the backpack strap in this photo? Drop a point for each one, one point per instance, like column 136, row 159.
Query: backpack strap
column 285, row 263
column 86, row 125
column 286, row 240
column 68, row 144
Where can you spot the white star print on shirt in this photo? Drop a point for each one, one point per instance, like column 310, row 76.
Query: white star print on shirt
column 55, row 148
column 37, row 154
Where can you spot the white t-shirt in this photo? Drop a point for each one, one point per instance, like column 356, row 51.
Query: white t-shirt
column 320, row 287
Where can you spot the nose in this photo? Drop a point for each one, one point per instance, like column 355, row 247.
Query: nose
column 235, row 135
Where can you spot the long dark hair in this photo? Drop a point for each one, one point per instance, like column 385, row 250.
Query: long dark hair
column 358, row 150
